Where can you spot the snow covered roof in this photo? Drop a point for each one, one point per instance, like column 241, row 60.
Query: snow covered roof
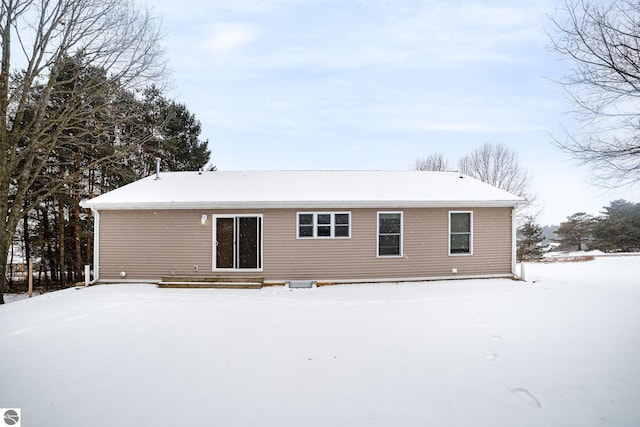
column 308, row 189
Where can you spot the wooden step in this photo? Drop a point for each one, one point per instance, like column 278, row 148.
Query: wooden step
column 211, row 279
column 201, row 285
column 211, row 282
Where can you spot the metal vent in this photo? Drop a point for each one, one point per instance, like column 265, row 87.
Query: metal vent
column 296, row 284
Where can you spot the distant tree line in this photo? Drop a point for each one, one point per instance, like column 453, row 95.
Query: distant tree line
column 616, row 230
column 55, row 231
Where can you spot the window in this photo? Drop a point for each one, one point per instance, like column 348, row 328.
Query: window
column 324, row 225
column 305, row 225
column 389, row 234
column 341, row 228
column 460, row 233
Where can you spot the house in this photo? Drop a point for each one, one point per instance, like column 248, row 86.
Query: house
column 323, row 226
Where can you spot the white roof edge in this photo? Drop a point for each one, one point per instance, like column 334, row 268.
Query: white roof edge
column 307, row 204
column 299, row 190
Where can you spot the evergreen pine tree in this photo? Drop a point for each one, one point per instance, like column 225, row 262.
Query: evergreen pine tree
column 619, row 228
column 575, row 232
column 529, row 242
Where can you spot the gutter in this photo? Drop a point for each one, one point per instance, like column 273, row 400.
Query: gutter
column 283, row 204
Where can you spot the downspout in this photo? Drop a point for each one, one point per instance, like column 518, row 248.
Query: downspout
column 514, row 230
column 96, row 245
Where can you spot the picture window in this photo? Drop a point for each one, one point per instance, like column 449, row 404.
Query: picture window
column 324, row 225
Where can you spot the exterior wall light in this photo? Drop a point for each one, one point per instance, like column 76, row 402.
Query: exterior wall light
column 203, row 219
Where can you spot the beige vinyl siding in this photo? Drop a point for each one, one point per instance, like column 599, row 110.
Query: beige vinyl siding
column 150, row 244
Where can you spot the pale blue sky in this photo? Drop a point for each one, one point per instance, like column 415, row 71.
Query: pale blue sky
column 357, row 84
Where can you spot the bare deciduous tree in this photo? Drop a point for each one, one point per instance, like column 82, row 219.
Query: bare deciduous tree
column 602, row 40
column 44, row 111
column 497, row 165
column 433, row 162
column 494, row 164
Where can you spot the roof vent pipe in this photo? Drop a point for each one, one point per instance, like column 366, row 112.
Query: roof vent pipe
column 157, row 168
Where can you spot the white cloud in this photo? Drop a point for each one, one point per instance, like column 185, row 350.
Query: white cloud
column 467, row 32
column 227, row 36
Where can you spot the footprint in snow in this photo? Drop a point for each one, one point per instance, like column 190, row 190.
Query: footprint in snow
column 490, row 356
column 495, row 336
column 20, row 331
column 74, row 318
column 526, row 397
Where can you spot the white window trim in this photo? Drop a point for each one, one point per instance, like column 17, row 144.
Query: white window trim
column 401, row 234
column 214, row 217
column 470, row 233
column 315, row 225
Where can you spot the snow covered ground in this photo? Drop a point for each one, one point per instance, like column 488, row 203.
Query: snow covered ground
column 20, row 296
column 562, row 349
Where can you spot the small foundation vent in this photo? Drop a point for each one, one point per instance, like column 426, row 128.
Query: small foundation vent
column 301, row 284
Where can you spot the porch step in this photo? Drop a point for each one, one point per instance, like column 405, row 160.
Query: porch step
column 211, row 282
